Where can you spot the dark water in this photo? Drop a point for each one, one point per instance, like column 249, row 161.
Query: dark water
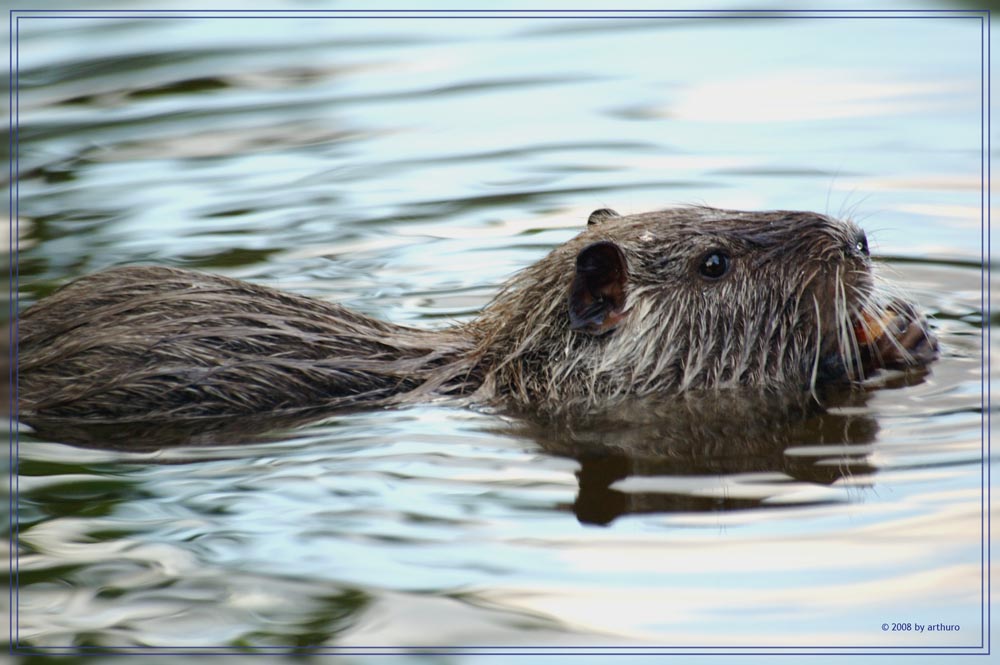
column 405, row 167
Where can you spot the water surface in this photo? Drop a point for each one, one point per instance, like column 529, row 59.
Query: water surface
column 405, row 168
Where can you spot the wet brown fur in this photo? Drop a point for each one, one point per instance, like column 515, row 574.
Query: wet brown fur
column 149, row 343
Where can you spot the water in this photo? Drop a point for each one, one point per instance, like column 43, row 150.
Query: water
column 406, row 167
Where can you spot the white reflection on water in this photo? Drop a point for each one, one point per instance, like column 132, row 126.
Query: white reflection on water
column 969, row 217
column 742, row 573
column 813, row 94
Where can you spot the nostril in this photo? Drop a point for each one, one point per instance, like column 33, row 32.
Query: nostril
column 861, row 244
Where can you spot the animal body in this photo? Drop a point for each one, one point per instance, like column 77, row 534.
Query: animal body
column 663, row 303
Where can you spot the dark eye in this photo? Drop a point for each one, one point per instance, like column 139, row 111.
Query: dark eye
column 715, row 265
column 861, row 243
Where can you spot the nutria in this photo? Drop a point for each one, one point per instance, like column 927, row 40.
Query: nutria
column 672, row 302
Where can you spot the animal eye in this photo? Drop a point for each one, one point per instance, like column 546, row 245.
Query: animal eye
column 861, row 244
column 714, row 265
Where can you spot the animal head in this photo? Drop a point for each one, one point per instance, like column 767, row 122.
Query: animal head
column 696, row 299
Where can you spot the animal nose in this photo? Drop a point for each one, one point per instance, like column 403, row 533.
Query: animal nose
column 859, row 245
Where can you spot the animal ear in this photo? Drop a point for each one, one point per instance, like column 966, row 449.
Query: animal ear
column 597, row 296
column 600, row 215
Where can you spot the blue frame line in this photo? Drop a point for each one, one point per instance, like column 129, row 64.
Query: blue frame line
column 985, row 342
column 985, row 203
column 460, row 651
column 12, row 310
column 505, row 16
column 970, row 13
column 984, row 648
column 982, row 272
column 14, row 249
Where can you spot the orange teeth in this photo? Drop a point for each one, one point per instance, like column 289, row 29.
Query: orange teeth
column 869, row 329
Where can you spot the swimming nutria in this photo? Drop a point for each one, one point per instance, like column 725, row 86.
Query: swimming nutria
column 661, row 303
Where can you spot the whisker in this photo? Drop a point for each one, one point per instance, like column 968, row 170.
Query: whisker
column 815, row 367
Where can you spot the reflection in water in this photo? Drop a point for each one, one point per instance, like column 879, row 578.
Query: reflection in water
column 693, row 437
column 699, row 438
